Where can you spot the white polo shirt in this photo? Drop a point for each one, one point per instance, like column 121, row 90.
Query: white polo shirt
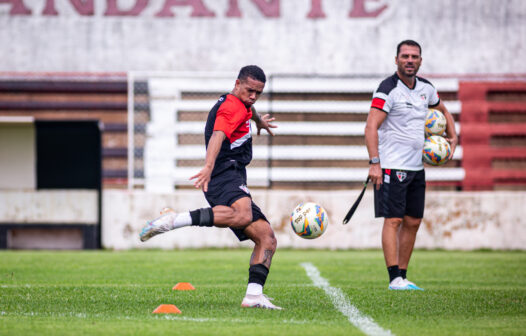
column 401, row 136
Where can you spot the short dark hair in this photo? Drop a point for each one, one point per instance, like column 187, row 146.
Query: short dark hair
column 252, row 71
column 410, row 43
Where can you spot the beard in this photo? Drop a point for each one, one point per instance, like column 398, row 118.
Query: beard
column 409, row 72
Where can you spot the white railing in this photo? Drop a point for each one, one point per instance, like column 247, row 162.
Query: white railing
column 161, row 151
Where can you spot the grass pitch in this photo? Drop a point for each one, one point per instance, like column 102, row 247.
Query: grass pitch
column 114, row 293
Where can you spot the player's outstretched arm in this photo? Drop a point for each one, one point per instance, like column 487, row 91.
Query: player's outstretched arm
column 263, row 122
column 375, row 118
column 452, row 137
column 214, row 145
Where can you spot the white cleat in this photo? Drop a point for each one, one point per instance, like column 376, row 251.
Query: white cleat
column 412, row 286
column 400, row 283
column 166, row 211
column 258, row 301
column 159, row 225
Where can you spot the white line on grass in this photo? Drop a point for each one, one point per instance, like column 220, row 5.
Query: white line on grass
column 342, row 303
column 163, row 316
column 208, row 319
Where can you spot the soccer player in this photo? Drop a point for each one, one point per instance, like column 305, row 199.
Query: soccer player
column 394, row 136
column 224, row 181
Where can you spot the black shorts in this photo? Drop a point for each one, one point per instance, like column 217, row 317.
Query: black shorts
column 402, row 193
column 228, row 186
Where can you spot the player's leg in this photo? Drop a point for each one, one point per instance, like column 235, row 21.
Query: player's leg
column 264, row 240
column 265, row 244
column 236, row 216
column 231, row 207
column 389, row 203
column 415, row 199
column 390, row 247
column 390, row 240
column 406, row 240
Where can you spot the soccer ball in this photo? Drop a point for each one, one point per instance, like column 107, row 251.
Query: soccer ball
column 309, row 220
column 435, row 122
column 436, row 150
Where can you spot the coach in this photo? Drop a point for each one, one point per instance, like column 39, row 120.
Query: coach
column 394, row 135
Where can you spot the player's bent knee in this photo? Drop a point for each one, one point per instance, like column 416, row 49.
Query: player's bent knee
column 393, row 222
column 261, row 234
column 242, row 219
column 412, row 224
column 273, row 243
column 269, row 240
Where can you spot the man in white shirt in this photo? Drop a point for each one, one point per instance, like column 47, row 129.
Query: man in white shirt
column 394, row 135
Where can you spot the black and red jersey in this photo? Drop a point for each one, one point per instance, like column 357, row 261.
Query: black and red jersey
column 232, row 117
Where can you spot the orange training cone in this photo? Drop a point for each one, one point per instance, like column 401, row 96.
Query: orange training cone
column 183, row 286
column 166, row 309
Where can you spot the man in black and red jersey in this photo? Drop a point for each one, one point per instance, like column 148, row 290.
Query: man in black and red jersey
column 394, row 135
column 224, row 181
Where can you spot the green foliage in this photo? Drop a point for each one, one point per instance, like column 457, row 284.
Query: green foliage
column 114, row 293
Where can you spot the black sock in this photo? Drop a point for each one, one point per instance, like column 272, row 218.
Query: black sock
column 394, row 272
column 403, row 273
column 202, row 217
column 257, row 274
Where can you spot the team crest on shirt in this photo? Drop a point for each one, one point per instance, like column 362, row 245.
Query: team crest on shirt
column 423, row 96
column 244, row 188
column 401, row 175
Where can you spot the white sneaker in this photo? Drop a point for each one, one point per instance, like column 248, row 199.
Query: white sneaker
column 398, row 283
column 166, row 211
column 258, row 301
column 412, row 286
column 159, row 225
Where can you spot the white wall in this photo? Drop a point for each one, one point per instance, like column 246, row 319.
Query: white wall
column 49, row 206
column 468, row 220
column 17, row 153
column 458, row 37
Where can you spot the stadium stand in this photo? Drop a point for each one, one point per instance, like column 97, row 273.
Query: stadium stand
column 89, row 97
column 320, row 131
column 320, row 119
column 50, row 183
column 493, row 124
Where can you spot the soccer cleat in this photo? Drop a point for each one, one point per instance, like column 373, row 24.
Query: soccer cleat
column 400, row 283
column 412, row 286
column 258, row 301
column 166, row 211
column 159, row 225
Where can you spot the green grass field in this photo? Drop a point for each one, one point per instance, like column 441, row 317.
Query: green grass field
column 114, row 293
